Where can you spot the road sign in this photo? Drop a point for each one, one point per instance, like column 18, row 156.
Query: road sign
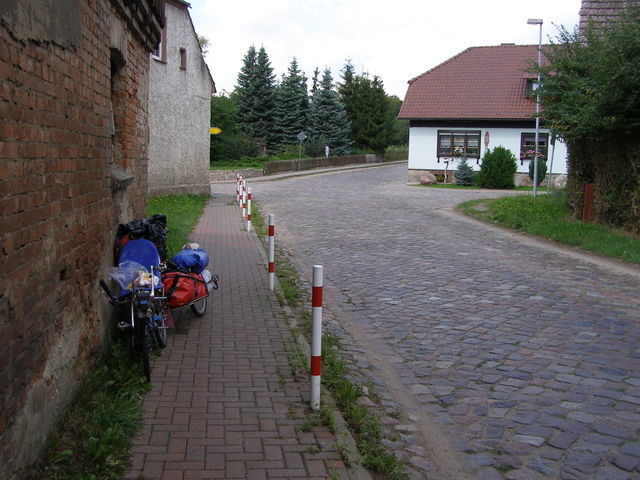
column 302, row 136
column 214, row 130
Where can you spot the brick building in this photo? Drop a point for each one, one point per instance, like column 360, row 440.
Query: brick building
column 73, row 164
column 603, row 11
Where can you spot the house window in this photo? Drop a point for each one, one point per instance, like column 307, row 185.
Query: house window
column 183, row 58
column 459, row 143
column 527, row 146
column 160, row 52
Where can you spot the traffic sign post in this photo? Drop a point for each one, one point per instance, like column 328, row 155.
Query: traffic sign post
column 301, row 136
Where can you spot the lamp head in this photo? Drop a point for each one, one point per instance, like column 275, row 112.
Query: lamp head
column 534, row 21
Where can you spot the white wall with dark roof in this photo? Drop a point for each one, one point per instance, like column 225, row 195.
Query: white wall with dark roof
column 423, row 148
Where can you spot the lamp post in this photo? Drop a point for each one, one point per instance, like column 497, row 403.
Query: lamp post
column 537, row 21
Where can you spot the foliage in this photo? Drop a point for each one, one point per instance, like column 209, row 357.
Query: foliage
column 292, row 106
column 314, row 146
column 256, row 97
column 230, row 143
column 204, row 44
column 400, row 127
column 591, row 84
column 369, row 109
column 547, row 216
column 93, row 437
column 464, row 175
column 328, row 118
column 542, row 170
column 591, row 98
column 183, row 212
column 498, row 169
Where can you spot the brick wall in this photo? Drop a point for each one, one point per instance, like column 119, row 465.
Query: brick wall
column 58, row 210
column 601, row 12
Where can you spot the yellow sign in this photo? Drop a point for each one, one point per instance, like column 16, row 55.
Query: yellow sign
column 214, row 130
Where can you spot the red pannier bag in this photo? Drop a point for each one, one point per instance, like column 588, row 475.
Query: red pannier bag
column 183, row 288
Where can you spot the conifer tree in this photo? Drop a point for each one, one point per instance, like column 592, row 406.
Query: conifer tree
column 315, row 81
column 256, row 96
column 464, row 174
column 328, row 119
column 369, row 110
column 292, row 106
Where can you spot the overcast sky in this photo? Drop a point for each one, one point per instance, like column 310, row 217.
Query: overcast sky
column 394, row 39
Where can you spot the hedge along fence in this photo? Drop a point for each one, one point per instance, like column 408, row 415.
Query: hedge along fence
column 281, row 166
column 615, row 171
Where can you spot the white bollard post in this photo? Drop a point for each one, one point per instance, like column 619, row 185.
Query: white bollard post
column 316, row 336
column 272, row 235
column 239, row 197
column 237, row 187
column 249, row 209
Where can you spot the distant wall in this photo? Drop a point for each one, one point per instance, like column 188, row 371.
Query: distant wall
column 281, row 166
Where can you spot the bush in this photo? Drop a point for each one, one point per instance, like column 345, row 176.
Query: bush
column 498, row 169
column 464, row 175
column 542, row 170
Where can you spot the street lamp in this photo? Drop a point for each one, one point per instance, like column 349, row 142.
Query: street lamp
column 537, row 21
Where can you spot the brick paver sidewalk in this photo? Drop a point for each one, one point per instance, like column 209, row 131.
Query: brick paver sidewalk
column 224, row 403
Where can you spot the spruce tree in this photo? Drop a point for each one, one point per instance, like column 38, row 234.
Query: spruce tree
column 328, row 118
column 369, row 110
column 315, row 81
column 256, row 96
column 292, row 106
column 464, row 174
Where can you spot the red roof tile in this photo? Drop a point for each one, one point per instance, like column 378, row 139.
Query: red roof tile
column 478, row 83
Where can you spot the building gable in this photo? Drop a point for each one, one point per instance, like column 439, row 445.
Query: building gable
column 479, row 83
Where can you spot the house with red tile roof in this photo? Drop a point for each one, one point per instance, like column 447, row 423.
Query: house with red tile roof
column 482, row 98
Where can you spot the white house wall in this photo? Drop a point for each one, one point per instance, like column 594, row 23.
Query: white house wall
column 179, row 112
column 423, row 148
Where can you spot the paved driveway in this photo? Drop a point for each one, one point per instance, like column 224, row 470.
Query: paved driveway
column 504, row 358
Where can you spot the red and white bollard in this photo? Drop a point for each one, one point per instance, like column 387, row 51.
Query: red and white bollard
column 244, row 200
column 316, row 336
column 238, row 179
column 249, row 209
column 272, row 254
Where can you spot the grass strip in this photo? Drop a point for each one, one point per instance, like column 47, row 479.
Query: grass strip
column 92, row 440
column 183, row 213
column 453, row 186
column 547, row 216
column 363, row 422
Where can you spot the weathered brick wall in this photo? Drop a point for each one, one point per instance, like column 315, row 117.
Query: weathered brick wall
column 57, row 207
column 601, row 12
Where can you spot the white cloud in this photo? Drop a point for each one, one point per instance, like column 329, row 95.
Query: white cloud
column 395, row 39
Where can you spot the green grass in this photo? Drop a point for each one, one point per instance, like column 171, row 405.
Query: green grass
column 453, row 186
column 547, row 216
column 92, row 439
column 183, row 213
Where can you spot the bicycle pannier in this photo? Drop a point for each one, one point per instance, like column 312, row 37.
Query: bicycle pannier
column 183, row 288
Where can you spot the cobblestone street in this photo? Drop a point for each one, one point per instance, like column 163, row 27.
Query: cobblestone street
column 504, row 357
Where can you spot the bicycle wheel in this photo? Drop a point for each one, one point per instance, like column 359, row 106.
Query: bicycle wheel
column 160, row 332
column 142, row 334
column 199, row 308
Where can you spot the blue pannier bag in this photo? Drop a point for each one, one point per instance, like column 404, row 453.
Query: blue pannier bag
column 194, row 261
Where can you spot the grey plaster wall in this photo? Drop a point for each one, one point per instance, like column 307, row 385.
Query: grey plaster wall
column 179, row 112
